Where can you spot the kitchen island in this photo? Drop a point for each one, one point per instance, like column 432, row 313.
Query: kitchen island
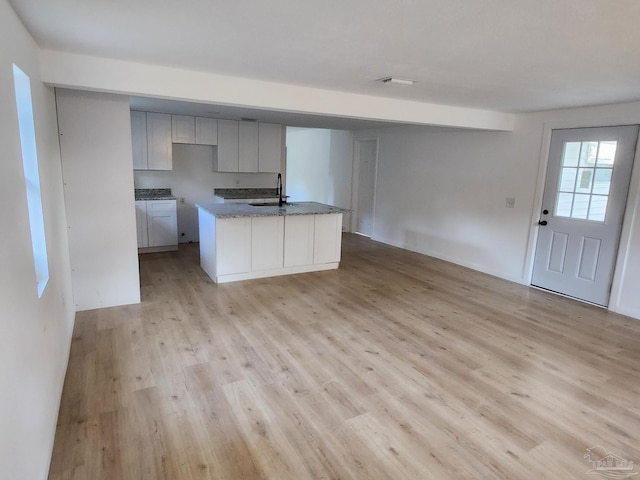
column 241, row 241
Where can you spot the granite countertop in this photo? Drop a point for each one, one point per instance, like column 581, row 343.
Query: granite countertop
column 154, row 194
column 243, row 193
column 233, row 210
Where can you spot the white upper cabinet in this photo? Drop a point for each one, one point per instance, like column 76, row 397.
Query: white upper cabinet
column 183, row 129
column 151, row 141
column 250, row 147
column 247, row 147
column 227, row 160
column 270, row 147
column 206, row 131
column 139, row 140
column 194, row 130
column 159, row 141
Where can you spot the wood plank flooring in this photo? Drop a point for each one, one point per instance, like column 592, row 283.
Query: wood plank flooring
column 395, row 366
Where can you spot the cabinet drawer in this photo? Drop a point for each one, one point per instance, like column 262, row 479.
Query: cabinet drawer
column 161, row 206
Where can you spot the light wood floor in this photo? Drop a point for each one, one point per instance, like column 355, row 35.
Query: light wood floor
column 396, row 366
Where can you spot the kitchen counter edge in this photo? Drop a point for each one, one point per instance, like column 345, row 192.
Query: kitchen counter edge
column 236, row 210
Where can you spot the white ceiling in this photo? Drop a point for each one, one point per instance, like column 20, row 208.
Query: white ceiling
column 505, row 55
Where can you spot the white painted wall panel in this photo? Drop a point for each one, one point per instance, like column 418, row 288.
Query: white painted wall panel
column 35, row 333
column 95, row 143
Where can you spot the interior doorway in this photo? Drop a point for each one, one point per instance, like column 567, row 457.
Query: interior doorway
column 366, row 159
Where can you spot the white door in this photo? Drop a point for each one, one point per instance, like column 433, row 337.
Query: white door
column 368, row 152
column 582, row 209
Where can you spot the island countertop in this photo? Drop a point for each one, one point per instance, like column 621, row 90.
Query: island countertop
column 234, row 210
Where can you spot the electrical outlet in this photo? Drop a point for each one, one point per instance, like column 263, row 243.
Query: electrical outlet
column 510, row 202
column 182, row 200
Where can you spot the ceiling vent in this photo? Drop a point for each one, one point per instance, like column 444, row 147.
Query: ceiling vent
column 396, row 81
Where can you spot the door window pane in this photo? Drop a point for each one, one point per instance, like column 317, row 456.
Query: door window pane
column 568, row 179
column 585, row 179
column 602, row 181
column 580, row 206
column 607, row 154
column 564, row 204
column 588, row 154
column 598, row 208
column 583, row 192
column 571, row 154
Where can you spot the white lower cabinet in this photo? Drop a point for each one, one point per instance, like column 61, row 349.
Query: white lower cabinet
column 298, row 240
column 242, row 248
column 157, row 224
column 141, row 223
column 327, row 238
column 233, row 245
column 267, row 243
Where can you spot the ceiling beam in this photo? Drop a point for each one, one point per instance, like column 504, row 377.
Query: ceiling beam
column 84, row 72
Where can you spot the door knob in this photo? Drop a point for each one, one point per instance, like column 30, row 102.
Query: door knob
column 542, row 222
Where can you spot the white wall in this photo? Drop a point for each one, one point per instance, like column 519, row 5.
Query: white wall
column 95, row 144
column 442, row 192
column 35, row 334
column 319, row 167
column 193, row 180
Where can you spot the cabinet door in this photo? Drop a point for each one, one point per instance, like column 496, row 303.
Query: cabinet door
column 270, row 139
column 227, row 146
column 298, row 240
column 206, row 131
column 183, row 129
column 327, row 236
column 159, row 141
column 139, row 140
column 248, row 147
column 267, row 243
column 141, row 223
column 162, row 223
column 233, row 245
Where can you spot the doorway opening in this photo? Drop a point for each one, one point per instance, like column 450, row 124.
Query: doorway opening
column 366, row 163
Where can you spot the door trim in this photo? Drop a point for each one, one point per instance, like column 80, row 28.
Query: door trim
column 631, row 210
column 355, row 183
